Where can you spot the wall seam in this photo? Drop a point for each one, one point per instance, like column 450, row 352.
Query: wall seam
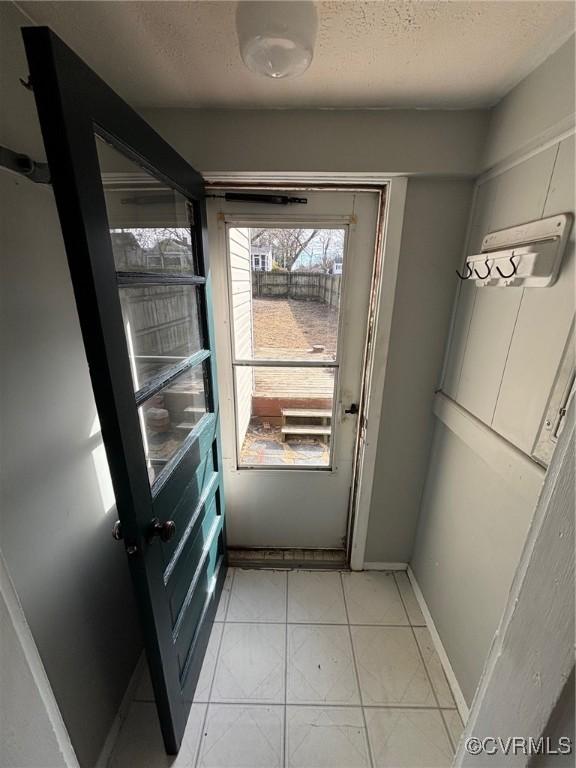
column 506, row 358
column 551, row 178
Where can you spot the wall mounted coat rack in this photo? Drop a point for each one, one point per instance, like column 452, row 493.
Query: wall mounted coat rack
column 528, row 255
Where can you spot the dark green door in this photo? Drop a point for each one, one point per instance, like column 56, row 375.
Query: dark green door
column 133, row 220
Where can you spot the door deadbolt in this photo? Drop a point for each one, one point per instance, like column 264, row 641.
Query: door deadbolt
column 353, row 409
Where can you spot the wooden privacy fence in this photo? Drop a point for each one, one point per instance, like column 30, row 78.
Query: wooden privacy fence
column 308, row 286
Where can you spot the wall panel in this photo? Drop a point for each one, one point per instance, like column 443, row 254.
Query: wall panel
column 541, row 330
column 513, row 197
column 504, row 355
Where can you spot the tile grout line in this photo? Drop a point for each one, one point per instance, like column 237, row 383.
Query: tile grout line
column 323, row 705
column 285, row 676
column 448, row 729
column 368, row 744
column 286, row 673
column 204, row 719
column 318, row 623
column 428, row 676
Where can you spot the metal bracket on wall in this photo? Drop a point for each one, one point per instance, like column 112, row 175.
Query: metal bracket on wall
column 24, row 165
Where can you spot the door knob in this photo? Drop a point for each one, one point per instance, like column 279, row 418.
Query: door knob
column 164, row 530
column 353, row 409
column 117, row 530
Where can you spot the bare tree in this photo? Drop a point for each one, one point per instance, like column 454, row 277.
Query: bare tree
column 326, row 261
column 286, row 245
column 161, row 237
column 328, row 248
column 137, row 246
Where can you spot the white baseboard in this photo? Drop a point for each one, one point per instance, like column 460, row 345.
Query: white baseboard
column 463, row 708
column 376, row 566
column 106, row 751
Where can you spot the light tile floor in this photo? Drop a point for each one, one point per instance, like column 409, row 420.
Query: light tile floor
column 309, row 669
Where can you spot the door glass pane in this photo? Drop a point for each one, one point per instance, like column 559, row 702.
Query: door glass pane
column 167, row 418
column 162, row 327
column 149, row 221
column 284, row 415
column 285, row 292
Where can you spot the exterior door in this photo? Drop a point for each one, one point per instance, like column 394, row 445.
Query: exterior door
column 133, row 220
column 295, row 284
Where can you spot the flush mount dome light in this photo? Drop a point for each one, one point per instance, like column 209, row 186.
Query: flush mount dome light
column 276, row 38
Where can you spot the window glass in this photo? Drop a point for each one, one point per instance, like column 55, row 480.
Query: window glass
column 168, row 417
column 286, row 286
column 162, row 327
column 149, row 221
column 284, row 415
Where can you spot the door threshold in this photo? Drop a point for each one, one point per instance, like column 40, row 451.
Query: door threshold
column 325, row 559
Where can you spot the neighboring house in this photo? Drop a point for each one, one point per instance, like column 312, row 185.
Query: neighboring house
column 261, row 260
column 319, row 259
column 337, row 267
column 167, row 254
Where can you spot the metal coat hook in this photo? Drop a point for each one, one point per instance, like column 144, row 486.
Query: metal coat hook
column 465, row 277
column 483, row 277
column 514, row 269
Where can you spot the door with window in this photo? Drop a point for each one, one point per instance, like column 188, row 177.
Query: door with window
column 295, row 286
column 133, row 220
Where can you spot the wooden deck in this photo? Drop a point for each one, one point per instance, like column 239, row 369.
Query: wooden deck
column 280, row 388
column 309, row 383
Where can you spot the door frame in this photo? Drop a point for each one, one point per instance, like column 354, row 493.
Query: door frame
column 392, row 190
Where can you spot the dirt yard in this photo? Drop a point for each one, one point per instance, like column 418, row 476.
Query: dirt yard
column 285, row 326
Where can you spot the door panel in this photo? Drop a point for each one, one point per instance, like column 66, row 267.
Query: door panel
column 292, row 349
column 133, row 220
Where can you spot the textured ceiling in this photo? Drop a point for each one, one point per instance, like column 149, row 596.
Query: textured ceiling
column 368, row 54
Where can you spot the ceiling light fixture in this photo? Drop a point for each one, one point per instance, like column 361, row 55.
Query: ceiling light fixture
column 277, row 38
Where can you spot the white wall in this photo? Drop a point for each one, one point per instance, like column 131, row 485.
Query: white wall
column 540, row 107
column 388, row 141
column 31, row 729
column 502, row 360
column 436, row 214
column 239, row 247
column 56, row 502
